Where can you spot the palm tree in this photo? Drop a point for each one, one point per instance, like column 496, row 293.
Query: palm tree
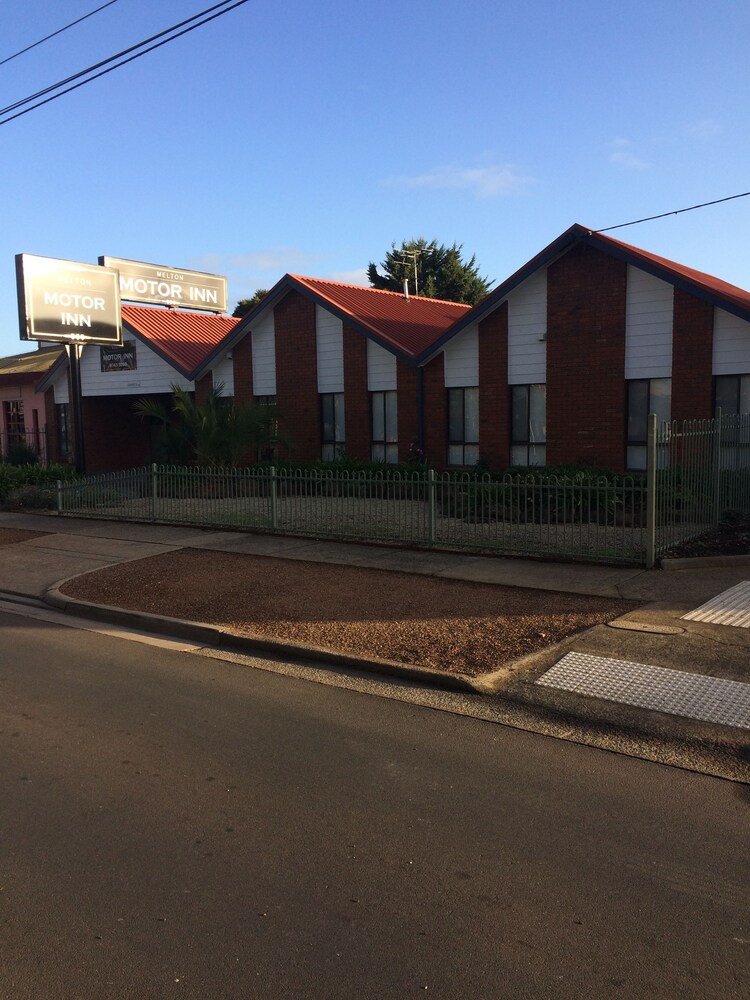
column 215, row 432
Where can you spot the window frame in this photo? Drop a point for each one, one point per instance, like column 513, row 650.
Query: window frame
column 636, row 443
column 267, row 452
column 466, row 446
column 533, row 445
column 332, row 447
column 64, row 436
column 384, row 438
column 741, row 392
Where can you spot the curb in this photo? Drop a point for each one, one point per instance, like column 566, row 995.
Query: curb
column 213, row 635
column 705, row 562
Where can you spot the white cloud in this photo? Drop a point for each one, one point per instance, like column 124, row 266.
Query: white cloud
column 261, row 268
column 492, row 181
column 706, row 128
column 273, row 261
column 622, row 155
column 358, row 277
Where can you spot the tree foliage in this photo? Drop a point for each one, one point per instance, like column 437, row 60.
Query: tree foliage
column 215, row 432
column 244, row 306
column 441, row 271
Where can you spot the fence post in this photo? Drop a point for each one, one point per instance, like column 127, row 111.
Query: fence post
column 651, row 492
column 59, row 496
column 431, row 514
column 154, row 491
column 274, row 500
column 717, row 465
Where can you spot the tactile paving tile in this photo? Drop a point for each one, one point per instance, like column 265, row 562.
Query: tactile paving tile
column 731, row 607
column 694, row 696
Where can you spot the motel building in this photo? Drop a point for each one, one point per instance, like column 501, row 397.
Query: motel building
column 562, row 362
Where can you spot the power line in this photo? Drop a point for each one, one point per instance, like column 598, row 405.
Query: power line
column 678, row 211
column 58, row 32
column 110, row 59
column 172, row 32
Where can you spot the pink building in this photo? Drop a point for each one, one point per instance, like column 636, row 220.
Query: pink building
column 22, row 410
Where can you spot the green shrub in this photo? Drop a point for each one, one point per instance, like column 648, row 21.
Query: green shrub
column 30, row 497
column 21, row 454
column 13, row 477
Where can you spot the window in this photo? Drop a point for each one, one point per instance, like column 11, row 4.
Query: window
column 333, row 437
column 384, row 426
column 15, row 431
column 732, row 393
column 645, row 396
column 14, row 424
column 528, row 425
column 64, row 449
column 463, row 426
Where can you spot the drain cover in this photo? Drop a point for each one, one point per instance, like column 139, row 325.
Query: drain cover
column 644, row 627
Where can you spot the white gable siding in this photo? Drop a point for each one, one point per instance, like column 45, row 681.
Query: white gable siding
column 224, row 374
column 648, row 326
column 152, row 375
column 381, row 368
column 329, row 341
column 264, row 356
column 461, row 357
column 527, row 330
column 62, row 391
column 731, row 344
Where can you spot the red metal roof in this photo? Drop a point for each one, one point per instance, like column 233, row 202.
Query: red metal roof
column 733, row 294
column 182, row 338
column 409, row 325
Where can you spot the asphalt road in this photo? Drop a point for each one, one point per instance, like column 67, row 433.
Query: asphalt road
column 178, row 826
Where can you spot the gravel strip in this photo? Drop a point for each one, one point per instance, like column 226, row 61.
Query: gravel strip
column 449, row 625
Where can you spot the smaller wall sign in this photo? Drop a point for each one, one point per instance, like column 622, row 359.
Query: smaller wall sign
column 119, row 359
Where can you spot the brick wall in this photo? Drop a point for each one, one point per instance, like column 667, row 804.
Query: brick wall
column 242, row 365
column 494, row 446
column 408, row 423
column 435, row 415
column 692, row 358
column 586, row 358
column 114, row 437
column 297, row 376
column 203, row 387
column 356, row 396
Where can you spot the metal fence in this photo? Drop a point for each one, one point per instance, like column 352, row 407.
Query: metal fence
column 581, row 517
column 33, row 440
column 696, row 470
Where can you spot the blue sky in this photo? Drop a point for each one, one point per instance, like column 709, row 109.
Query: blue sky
column 308, row 137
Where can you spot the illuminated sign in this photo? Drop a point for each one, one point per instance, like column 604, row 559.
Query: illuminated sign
column 62, row 300
column 169, row 286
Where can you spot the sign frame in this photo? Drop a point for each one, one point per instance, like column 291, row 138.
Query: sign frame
column 169, row 286
column 68, row 302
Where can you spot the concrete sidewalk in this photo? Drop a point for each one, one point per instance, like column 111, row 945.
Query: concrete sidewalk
column 656, row 635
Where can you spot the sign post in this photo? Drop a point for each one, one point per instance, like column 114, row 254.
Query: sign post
column 74, row 352
column 74, row 304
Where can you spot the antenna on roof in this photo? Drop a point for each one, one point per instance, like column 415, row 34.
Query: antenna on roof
column 411, row 255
